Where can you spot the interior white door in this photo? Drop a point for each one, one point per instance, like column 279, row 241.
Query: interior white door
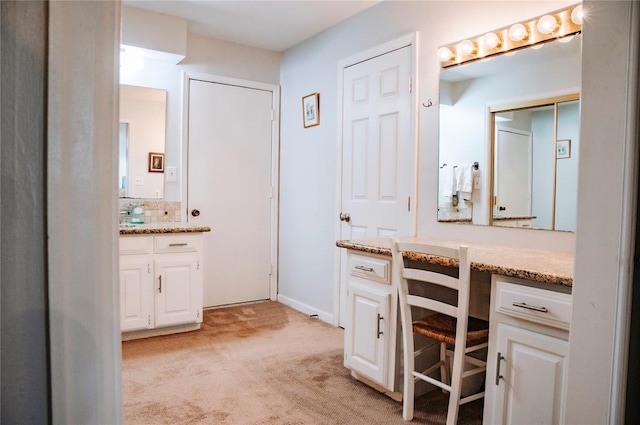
column 378, row 152
column 513, row 173
column 229, row 184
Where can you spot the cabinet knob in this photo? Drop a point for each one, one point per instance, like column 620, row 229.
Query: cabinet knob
column 195, row 212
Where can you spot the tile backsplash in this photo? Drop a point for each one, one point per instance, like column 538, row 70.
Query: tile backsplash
column 155, row 211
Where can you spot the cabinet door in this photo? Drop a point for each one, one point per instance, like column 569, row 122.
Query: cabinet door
column 534, row 373
column 366, row 342
column 178, row 288
column 136, row 293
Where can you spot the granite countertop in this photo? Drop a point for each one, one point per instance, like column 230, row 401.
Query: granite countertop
column 156, row 228
column 454, row 220
column 514, row 217
column 550, row 267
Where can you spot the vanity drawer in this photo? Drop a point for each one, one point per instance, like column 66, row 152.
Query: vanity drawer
column 132, row 245
column 177, row 243
column 534, row 304
column 371, row 268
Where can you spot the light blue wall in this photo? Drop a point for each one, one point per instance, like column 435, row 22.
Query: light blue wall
column 309, row 157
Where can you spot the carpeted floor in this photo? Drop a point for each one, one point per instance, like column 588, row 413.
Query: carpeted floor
column 261, row 364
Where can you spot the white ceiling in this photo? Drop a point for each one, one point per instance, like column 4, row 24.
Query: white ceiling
column 267, row 24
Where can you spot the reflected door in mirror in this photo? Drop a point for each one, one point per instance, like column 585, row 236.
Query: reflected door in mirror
column 513, row 174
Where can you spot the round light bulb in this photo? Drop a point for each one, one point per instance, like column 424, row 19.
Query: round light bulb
column 547, row 24
column 445, row 54
column 491, row 40
column 518, row 32
column 467, row 47
column 566, row 39
column 577, row 15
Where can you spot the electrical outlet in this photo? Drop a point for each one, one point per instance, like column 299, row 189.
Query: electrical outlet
column 476, row 183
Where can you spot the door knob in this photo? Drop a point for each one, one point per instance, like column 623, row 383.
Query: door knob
column 345, row 217
column 195, row 212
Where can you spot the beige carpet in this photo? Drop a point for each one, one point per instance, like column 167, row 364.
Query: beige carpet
column 259, row 364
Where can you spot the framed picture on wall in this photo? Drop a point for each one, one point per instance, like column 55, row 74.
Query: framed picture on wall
column 156, row 162
column 563, row 149
column 311, row 110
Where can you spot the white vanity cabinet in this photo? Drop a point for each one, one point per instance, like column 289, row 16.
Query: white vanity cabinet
column 527, row 356
column 160, row 283
column 136, row 283
column 371, row 325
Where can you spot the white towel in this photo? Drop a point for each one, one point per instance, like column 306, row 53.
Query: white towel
column 447, row 181
column 464, row 178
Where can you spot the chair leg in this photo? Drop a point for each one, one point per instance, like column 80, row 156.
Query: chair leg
column 456, row 386
column 444, row 370
column 409, row 381
column 408, row 396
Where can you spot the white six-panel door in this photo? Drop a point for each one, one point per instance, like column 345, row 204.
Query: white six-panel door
column 378, row 147
column 378, row 151
column 229, row 184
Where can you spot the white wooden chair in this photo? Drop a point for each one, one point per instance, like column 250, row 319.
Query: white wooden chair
column 446, row 323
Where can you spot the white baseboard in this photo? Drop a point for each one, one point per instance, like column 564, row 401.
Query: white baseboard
column 306, row 309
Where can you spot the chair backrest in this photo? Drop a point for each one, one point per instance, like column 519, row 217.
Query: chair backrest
column 456, row 257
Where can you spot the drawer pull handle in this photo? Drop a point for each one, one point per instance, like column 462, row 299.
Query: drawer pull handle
column 179, row 244
column 498, row 376
column 379, row 319
column 531, row 307
column 365, row 269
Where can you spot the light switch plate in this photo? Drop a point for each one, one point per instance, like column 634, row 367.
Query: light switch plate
column 476, row 182
column 172, row 174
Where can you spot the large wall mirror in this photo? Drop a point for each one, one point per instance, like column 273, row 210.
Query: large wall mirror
column 142, row 142
column 508, row 146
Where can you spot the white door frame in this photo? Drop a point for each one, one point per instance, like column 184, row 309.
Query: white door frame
column 410, row 40
column 187, row 76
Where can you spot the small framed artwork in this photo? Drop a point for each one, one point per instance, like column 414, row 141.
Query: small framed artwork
column 156, row 162
column 311, row 110
column 563, row 149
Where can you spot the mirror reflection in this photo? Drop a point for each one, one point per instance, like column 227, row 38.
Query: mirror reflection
column 530, row 96
column 535, row 173
column 141, row 132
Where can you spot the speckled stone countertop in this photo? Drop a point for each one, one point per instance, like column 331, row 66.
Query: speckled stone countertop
column 156, row 228
column 550, row 267
column 454, row 220
column 513, row 217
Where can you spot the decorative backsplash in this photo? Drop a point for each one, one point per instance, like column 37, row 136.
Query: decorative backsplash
column 154, row 211
column 462, row 213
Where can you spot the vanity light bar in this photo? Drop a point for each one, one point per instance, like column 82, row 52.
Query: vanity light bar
column 556, row 25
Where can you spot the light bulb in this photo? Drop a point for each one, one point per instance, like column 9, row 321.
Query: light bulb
column 445, row 54
column 566, row 39
column 467, row 47
column 547, row 24
column 577, row 15
column 491, row 40
column 518, row 32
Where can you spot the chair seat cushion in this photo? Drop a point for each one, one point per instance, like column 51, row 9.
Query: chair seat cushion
column 443, row 328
